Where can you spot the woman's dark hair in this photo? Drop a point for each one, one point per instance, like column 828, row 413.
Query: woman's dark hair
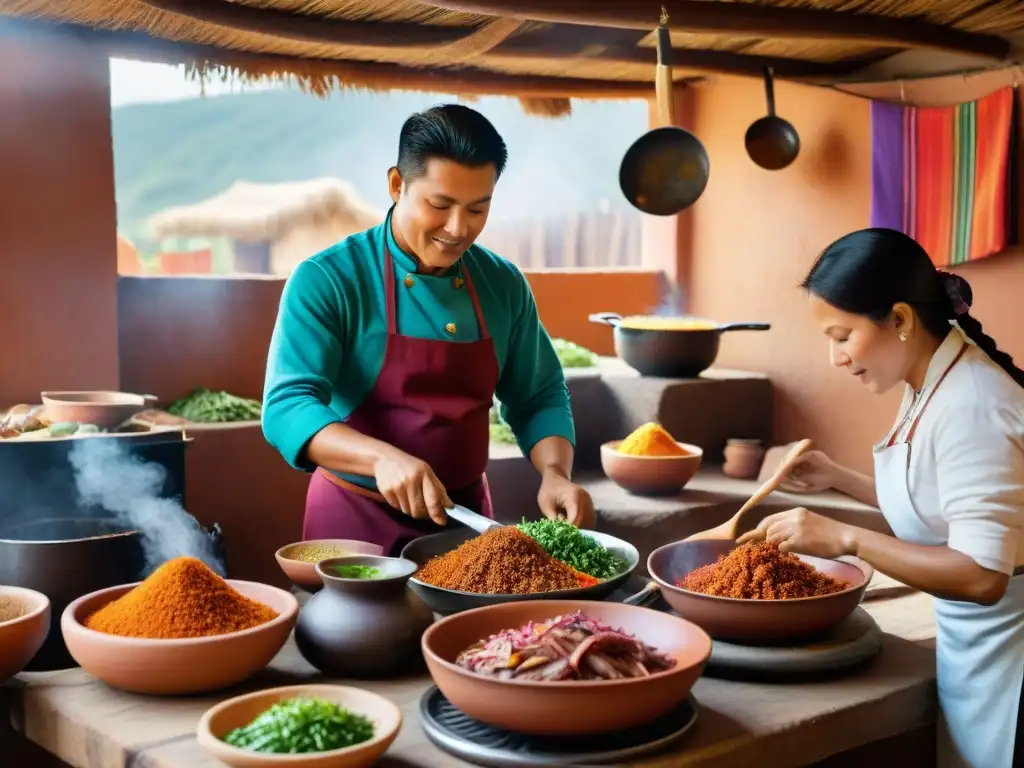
column 452, row 132
column 869, row 271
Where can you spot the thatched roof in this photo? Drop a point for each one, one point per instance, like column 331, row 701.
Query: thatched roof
column 543, row 50
column 259, row 212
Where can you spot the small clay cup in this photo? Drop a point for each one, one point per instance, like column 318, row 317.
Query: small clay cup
column 364, row 628
column 743, row 458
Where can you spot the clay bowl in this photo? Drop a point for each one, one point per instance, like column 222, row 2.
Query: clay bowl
column 104, row 409
column 303, row 574
column 21, row 638
column 754, row 621
column 650, row 475
column 177, row 667
column 220, row 720
column 571, row 707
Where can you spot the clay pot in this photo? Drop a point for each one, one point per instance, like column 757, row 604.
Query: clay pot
column 364, row 628
column 743, row 458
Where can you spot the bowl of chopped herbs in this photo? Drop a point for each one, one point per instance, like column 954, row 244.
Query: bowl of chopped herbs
column 301, row 726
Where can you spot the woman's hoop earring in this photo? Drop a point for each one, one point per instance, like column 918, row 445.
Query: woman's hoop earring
column 902, row 336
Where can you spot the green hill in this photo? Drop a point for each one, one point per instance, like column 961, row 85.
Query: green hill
column 182, row 152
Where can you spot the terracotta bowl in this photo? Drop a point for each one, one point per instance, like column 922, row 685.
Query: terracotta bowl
column 21, row 638
column 650, row 475
column 570, row 707
column 177, row 667
column 104, row 409
column 241, row 710
column 304, row 575
column 754, row 621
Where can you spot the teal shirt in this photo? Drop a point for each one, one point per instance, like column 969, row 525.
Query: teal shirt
column 328, row 343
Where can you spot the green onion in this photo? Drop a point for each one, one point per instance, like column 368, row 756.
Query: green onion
column 357, row 571
column 565, row 542
column 301, row 725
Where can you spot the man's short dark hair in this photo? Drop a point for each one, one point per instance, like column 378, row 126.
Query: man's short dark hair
column 451, row 132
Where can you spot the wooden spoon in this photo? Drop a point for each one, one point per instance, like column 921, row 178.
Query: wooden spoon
column 727, row 530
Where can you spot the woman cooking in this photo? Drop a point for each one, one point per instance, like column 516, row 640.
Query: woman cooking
column 949, row 476
column 390, row 347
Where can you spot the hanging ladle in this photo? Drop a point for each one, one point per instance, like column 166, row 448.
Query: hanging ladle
column 666, row 170
column 772, row 142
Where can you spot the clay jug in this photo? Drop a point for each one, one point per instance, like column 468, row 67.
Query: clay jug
column 364, row 628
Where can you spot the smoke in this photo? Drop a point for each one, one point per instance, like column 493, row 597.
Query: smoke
column 673, row 302
column 108, row 476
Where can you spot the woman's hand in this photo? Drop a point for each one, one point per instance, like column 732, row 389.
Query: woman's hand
column 813, row 472
column 560, row 496
column 410, row 485
column 800, row 530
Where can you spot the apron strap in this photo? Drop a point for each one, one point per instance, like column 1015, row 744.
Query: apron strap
column 389, row 290
column 924, row 405
column 471, row 289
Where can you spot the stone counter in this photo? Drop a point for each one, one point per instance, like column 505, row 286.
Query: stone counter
column 88, row 725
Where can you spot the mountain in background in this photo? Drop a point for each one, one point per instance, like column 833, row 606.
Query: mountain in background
column 178, row 153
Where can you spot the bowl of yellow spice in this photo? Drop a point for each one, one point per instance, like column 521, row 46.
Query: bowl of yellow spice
column 650, row 462
column 298, row 560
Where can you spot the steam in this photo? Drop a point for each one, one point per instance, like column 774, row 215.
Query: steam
column 673, row 303
column 108, row 476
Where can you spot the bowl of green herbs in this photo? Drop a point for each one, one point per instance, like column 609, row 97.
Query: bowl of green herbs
column 301, row 726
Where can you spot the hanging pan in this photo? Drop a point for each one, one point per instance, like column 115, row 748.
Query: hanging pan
column 772, row 142
column 666, row 170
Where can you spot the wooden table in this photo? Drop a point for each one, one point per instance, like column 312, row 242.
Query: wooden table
column 89, row 725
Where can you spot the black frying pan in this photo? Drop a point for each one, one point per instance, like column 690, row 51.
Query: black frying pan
column 772, row 142
column 672, row 353
column 666, row 170
column 448, row 601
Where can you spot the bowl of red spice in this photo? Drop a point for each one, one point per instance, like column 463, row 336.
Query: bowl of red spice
column 650, row 462
column 565, row 667
column 183, row 630
column 754, row 592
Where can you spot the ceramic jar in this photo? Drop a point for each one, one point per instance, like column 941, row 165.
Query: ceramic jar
column 743, row 458
column 363, row 628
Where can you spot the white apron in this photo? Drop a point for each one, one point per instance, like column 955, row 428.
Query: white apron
column 979, row 659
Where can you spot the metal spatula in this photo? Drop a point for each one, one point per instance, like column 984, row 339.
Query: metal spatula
column 471, row 519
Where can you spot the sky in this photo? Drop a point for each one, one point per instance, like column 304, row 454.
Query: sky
column 135, row 82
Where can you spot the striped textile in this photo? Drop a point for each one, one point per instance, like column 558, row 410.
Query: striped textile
column 947, row 176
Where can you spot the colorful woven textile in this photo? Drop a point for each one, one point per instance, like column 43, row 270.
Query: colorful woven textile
column 947, row 176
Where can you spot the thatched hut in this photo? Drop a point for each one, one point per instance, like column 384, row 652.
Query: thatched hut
column 272, row 227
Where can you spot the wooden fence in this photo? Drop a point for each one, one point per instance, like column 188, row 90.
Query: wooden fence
column 595, row 239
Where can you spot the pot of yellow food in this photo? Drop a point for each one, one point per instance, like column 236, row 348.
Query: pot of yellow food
column 670, row 347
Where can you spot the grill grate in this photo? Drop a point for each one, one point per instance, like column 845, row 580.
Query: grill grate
column 455, row 732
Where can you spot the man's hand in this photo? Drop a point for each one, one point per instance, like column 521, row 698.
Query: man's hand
column 560, row 497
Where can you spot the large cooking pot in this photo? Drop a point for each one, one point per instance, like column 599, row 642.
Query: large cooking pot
column 670, row 347
column 52, row 542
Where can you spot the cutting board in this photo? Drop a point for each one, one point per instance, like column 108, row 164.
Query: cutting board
column 885, row 586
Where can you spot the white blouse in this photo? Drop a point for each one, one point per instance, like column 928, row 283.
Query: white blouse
column 966, row 474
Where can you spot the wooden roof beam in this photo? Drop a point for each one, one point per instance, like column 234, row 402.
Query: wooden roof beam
column 558, row 42
column 358, row 74
column 701, row 16
column 312, row 29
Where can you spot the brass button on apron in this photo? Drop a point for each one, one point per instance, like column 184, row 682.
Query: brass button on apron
column 409, row 282
column 450, row 328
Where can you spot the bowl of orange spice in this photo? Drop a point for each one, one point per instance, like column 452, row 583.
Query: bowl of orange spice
column 650, row 462
column 183, row 630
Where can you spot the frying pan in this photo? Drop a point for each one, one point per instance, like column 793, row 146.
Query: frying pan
column 751, row 621
column 448, row 601
column 666, row 170
column 672, row 353
column 772, row 142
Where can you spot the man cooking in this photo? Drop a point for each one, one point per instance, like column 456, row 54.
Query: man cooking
column 391, row 345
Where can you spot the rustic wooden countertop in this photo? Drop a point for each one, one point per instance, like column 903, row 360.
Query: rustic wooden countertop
column 89, row 725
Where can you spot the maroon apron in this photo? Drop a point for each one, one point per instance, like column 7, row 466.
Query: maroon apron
column 432, row 400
